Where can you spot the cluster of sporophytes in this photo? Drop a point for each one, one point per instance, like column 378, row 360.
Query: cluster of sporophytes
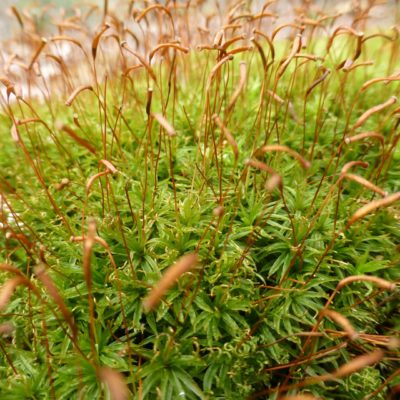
column 199, row 201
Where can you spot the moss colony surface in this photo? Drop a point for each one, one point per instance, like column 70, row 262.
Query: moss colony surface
column 199, row 201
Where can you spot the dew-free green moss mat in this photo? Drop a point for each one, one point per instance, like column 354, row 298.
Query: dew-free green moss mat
column 270, row 163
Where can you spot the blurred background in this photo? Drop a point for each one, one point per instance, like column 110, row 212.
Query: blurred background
column 8, row 24
column 384, row 15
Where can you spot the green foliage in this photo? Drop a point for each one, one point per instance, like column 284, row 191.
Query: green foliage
column 236, row 325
